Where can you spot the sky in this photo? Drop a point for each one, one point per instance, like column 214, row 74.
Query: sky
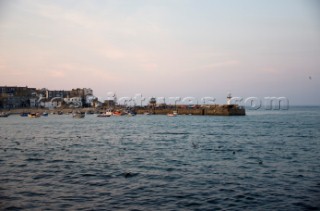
column 164, row 48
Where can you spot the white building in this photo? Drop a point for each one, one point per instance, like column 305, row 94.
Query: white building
column 33, row 102
column 87, row 92
column 50, row 104
column 73, row 102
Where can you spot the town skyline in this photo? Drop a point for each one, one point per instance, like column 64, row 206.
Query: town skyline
column 164, row 48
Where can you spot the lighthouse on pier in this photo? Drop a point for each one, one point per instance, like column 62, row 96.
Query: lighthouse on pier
column 229, row 99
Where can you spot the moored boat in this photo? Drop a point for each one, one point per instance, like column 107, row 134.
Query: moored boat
column 3, row 114
column 174, row 114
column 108, row 113
column 34, row 115
column 131, row 113
column 103, row 115
column 78, row 115
column 117, row 113
column 24, row 114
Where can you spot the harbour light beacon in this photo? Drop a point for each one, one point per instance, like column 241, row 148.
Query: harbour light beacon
column 229, row 99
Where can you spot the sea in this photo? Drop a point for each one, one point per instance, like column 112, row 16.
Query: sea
column 266, row 160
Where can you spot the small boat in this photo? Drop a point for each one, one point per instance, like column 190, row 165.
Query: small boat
column 146, row 113
column 78, row 115
column 24, row 114
column 131, row 113
column 103, row 115
column 174, row 114
column 106, row 114
column 45, row 114
column 60, row 112
column 4, row 114
column 34, row 115
column 117, row 113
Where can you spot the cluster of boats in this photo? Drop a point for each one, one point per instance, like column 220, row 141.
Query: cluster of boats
column 107, row 113
column 33, row 115
column 81, row 114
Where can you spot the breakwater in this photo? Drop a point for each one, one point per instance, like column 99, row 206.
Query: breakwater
column 213, row 110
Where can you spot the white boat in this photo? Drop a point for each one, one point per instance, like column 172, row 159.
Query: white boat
column 4, row 114
column 174, row 114
column 106, row 114
column 103, row 115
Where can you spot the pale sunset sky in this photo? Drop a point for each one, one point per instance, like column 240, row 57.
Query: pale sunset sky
column 166, row 48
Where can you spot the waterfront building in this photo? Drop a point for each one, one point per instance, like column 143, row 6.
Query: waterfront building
column 15, row 97
column 74, row 102
column 24, row 97
column 87, row 91
column 109, row 103
column 55, row 93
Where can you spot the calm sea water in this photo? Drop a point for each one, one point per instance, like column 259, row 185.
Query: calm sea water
column 267, row 160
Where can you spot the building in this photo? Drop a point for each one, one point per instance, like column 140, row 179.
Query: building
column 87, row 92
column 55, row 93
column 15, row 97
column 74, row 102
column 24, row 97
column 109, row 103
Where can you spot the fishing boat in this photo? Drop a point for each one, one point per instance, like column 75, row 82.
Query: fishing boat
column 131, row 113
column 24, row 114
column 2, row 114
column 117, row 113
column 34, row 115
column 78, row 115
column 106, row 114
column 103, row 115
column 174, row 114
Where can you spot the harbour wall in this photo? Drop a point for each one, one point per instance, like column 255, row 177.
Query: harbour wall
column 213, row 110
column 216, row 110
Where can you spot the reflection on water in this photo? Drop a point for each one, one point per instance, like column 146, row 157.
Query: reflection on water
column 259, row 161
